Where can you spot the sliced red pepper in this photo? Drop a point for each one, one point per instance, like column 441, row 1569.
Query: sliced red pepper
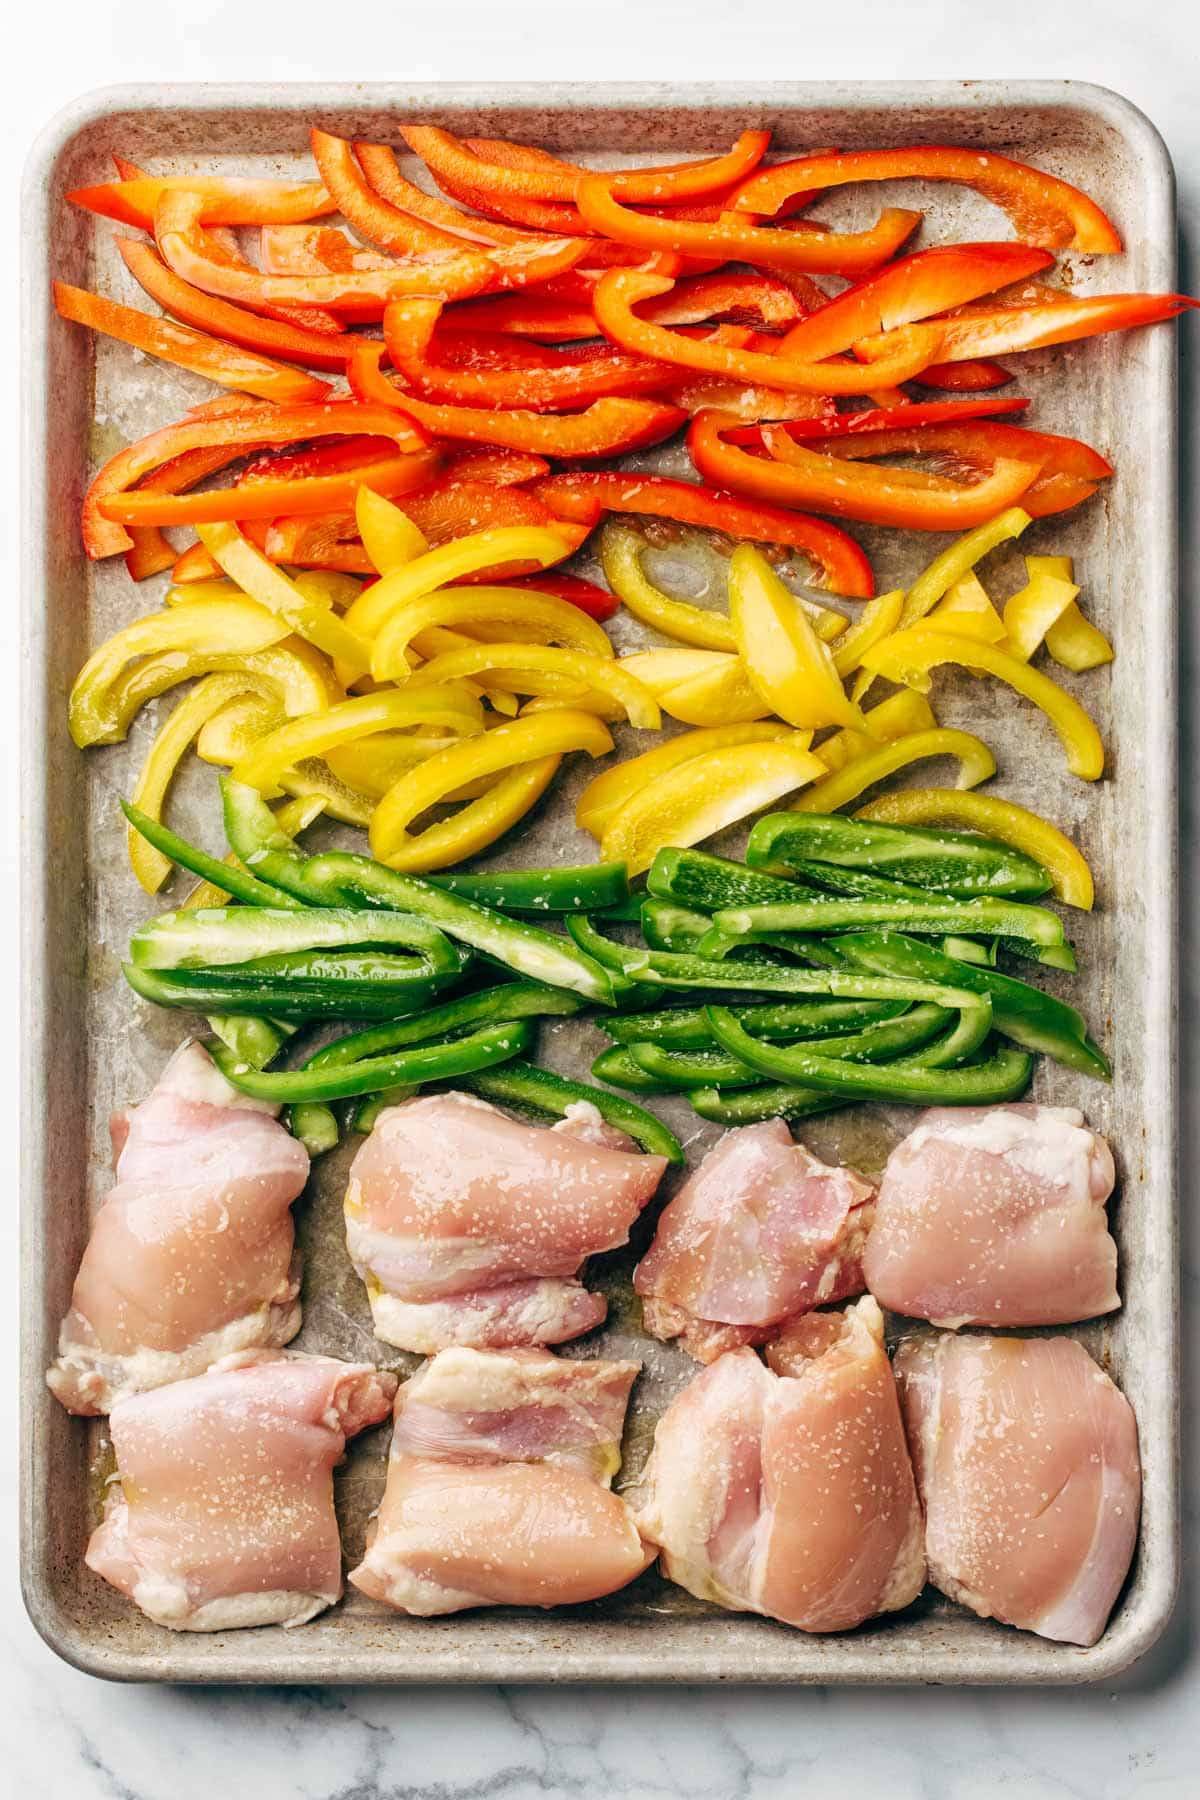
column 697, row 392
column 1044, row 210
column 913, row 287
column 295, row 343
column 905, row 416
column 329, row 456
column 607, row 427
column 504, row 468
column 1069, row 472
column 571, row 380
column 150, row 552
column 622, row 289
column 316, row 249
column 220, row 200
column 974, row 377
column 185, row 248
column 585, row 495
column 226, row 364
column 828, row 484
column 266, row 498
column 537, row 316
column 595, row 601
column 727, row 239
column 378, row 164
column 1001, row 331
column 249, row 428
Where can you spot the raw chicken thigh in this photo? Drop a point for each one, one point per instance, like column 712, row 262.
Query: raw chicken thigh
column 762, row 1230
column 191, row 1255
column 224, row 1513
column 497, row 1489
column 995, row 1217
column 470, row 1227
column 791, row 1493
column 1027, row 1463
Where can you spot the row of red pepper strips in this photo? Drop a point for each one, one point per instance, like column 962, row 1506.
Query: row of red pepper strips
column 575, row 316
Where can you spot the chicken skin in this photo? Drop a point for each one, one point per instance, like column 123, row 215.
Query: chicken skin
column 762, row 1230
column 1026, row 1457
column 995, row 1216
column 498, row 1486
column 191, row 1255
column 788, row 1491
column 223, row 1515
column 470, row 1227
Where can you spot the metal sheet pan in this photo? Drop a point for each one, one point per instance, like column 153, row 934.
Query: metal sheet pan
column 90, row 1045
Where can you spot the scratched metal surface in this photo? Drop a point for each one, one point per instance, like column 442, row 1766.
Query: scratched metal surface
column 93, row 1046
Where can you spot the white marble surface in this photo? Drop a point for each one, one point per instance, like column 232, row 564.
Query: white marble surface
column 64, row 1736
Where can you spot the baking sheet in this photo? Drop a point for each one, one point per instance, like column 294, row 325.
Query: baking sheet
column 92, row 1046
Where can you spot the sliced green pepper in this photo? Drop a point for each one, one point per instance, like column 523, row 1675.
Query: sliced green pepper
column 281, row 996
column 698, row 879
column 983, row 917
column 524, row 1084
column 416, row 1066
column 316, row 1126
column 252, row 1040
column 770, row 1100
column 261, row 844
column 591, row 887
column 364, row 1115
column 705, row 1068
column 952, row 862
column 618, row 1066
column 684, row 1027
column 496, row 1005
column 226, row 876
column 212, row 937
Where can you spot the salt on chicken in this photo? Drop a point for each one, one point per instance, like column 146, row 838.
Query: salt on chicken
column 788, row 1490
column 192, row 1253
column 470, row 1227
column 222, row 1512
column 995, row 1216
column 1026, row 1457
column 761, row 1231
column 498, row 1486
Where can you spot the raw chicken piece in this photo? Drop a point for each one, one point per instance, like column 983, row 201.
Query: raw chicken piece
column 497, row 1486
column 762, row 1230
column 191, row 1255
column 791, row 1494
column 995, row 1217
column 469, row 1227
column 1027, row 1462
column 224, row 1514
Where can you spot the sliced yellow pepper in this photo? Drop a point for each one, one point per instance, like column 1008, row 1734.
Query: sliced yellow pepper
column 389, row 536
column 232, row 733
column 958, row 559
column 433, row 569
column 994, row 818
column 900, row 715
column 909, row 656
column 606, row 793
column 976, row 763
column 541, row 737
column 452, row 708
column 290, row 671
column 192, row 593
column 291, row 817
column 264, row 582
column 968, row 608
column 574, row 670
column 527, row 613
column 723, row 696
column 170, row 744
column 1075, row 643
column 1036, row 608
column 783, row 656
column 374, row 764
column 231, row 627
column 702, row 796
column 879, row 617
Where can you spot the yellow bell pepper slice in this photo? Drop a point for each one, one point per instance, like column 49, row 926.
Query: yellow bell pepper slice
column 232, row 733
column 1075, row 643
column 438, row 568
column 170, row 745
column 958, row 559
column 452, row 708
column 245, row 563
column 475, row 826
column 976, row 763
column 573, row 668
column 374, row 764
column 193, row 593
column 390, row 538
column 783, row 656
column 1033, row 611
column 900, row 715
column 994, row 818
column 702, row 796
column 231, row 627
column 877, row 619
column 542, row 736
column 968, row 608
column 909, row 656
column 607, row 792
column 292, row 817
column 292, row 672
column 527, row 614
column 722, row 697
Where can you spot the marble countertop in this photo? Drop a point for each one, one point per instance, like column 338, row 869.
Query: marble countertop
column 65, row 1736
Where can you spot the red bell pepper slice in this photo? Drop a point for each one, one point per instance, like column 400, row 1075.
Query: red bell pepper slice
column 1043, row 209
column 1069, row 473
column 607, row 427
column 504, row 468
column 999, row 331
column 842, row 565
column 316, row 249
column 914, row 287
column 728, row 239
column 621, row 290
column 295, row 343
column 538, row 316
column 571, row 380
column 378, row 164
column 150, row 552
column 220, row 200
column 185, row 248
column 263, row 497
column 697, row 393
column 908, row 415
column 595, row 601
column 975, row 377
column 828, row 484
column 249, row 428
column 226, row 364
